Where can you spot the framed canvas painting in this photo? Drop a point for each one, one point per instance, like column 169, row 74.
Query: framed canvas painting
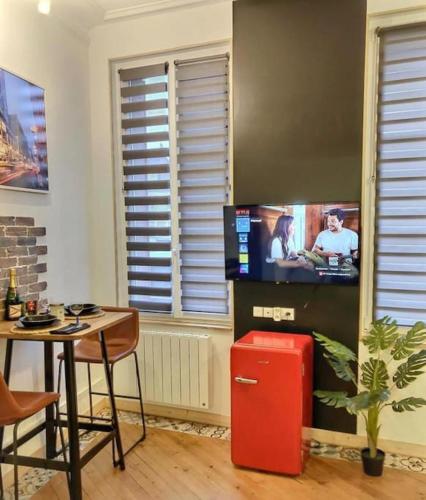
column 23, row 144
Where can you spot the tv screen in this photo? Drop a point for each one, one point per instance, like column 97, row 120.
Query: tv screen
column 311, row 243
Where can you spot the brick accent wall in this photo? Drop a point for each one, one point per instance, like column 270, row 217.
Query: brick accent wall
column 20, row 248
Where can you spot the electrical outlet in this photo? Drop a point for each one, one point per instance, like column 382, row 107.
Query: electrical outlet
column 268, row 312
column 277, row 314
column 287, row 313
column 257, row 312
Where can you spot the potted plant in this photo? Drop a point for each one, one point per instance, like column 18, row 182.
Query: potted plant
column 393, row 364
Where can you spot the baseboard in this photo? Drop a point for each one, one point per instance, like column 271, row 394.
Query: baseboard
column 178, row 413
column 358, row 441
column 324, row 436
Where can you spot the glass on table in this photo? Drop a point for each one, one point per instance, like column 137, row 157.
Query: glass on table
column 76, row 310
column 30, row 307
column 58, row 310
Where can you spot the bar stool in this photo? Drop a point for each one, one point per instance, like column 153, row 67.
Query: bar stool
column 17, row 406
column 121, row 342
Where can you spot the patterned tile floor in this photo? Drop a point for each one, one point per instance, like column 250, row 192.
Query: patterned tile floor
column 35, row 479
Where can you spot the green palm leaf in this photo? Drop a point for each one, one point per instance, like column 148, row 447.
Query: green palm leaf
column 407, row 343
column 382, row 335
column 341, row 368
column 408, row 404
column 366, row 399
column 359, row 402
column 374, row 374
column 338, row 399
column 410, row 370
column 336, row 349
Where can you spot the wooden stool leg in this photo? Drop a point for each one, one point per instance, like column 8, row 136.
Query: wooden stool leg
column 59, row 376
column 141, row 405
column 15, row 459
column 58, row 390
column 89, row 378
column 1, row 486
column 64, row 448
column 138, row 377
column 114, row 461
column 112, row 401
column 6, row 375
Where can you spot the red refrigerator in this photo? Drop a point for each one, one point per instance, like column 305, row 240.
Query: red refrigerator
column 271, row 400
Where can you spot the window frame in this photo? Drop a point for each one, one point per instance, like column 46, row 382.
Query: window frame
column 177, row 315
column 376, row 21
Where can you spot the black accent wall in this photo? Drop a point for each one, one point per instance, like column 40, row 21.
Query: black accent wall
column 298, row 69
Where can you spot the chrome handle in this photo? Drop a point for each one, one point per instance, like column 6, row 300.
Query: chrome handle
column 242, row 380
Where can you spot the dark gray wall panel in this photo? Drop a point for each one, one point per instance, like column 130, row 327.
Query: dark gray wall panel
column 298, row 101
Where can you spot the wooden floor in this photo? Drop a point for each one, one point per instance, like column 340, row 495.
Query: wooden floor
column 173, row 465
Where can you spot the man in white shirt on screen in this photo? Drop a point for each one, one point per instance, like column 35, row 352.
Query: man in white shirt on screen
column 336, row 240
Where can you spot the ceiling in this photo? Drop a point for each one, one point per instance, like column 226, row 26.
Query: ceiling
column 82, row 15
column 120, row 4
column 123, row 8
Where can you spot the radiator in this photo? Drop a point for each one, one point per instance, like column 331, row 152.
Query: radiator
column 176, row 369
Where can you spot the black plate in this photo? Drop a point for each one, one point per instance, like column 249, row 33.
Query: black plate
column 87, row 309
column 37, row 320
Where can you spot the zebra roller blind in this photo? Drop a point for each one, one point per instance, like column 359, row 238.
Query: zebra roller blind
column 400, row 289
column 202, row 114
column 145, row 154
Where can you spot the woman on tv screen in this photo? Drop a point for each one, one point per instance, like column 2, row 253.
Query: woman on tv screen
column 282, row 249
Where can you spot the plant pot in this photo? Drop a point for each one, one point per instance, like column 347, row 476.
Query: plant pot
column 373, row 466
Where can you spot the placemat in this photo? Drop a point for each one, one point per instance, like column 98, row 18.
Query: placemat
column 44, row 329
column 99, row 314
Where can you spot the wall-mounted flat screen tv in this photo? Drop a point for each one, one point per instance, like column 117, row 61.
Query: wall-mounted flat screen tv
column 297, row 243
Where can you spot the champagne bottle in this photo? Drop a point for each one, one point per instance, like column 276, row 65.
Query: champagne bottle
column 13, row 302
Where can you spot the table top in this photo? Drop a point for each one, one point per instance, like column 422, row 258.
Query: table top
column 96, row 324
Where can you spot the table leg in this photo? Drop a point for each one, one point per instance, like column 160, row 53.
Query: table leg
column 8, row 360
column 112, row 400
column 49, row 387
column 74, row 445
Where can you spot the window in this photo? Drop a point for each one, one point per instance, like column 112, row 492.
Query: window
column 174, row 124
column 400, row 233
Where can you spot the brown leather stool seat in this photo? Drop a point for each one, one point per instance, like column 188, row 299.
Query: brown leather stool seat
column 88, row 350
column 15, row 407
column 121, row 341
column 24, row 404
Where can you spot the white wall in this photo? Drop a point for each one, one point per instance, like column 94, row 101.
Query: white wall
column 169, row 30
column 380, row 6
column 42, row 51
column 409, row 426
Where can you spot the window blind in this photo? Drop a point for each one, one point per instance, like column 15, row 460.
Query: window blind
column 400, row 288
column 145, row 154
column 202, row 113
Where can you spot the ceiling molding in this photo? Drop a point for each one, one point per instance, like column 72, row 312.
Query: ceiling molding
column 153, row 6
column 78, row 16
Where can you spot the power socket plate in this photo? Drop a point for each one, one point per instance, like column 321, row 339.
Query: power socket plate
column 277, row 314
column 287, row 314
column 257, row 312
column 268, row 312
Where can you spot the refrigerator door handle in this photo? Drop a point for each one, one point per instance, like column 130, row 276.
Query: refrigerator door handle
column 242, row 380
